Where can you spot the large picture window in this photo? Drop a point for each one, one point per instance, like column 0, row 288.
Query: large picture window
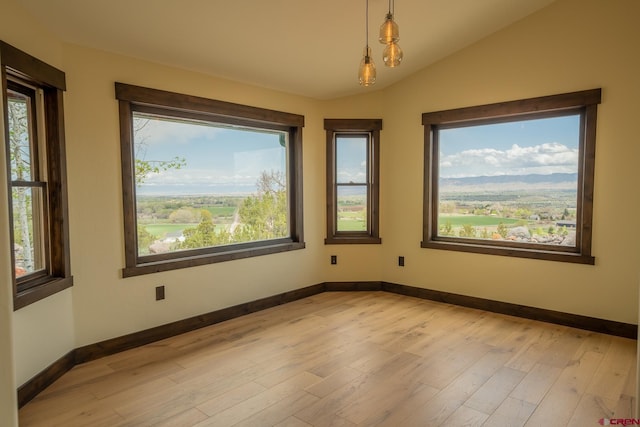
column 206, row 181
column 513, row 178
column 353, row 169
column 36, row 169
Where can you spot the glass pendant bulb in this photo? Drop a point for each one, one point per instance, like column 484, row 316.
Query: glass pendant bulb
column 389, row 31
column 367, row 71
column 392, row 55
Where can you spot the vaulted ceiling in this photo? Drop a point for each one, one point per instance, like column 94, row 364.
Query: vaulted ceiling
column 310, row 48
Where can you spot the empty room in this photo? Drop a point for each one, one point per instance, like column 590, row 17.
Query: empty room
column 340, row 213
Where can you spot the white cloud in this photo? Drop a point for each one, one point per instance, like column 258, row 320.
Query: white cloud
column 171, row 132
column 539, row 159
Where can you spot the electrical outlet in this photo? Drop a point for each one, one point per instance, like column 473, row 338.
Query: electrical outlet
column 334, row 259
column 159, row 292
column 401, row 261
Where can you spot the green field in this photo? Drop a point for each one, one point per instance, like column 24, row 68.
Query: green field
column 475, row 220
column 160, row 230
column 352, row 219
column 351, row 225
column 221, row 210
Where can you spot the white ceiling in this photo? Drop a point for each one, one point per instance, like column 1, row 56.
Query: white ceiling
column 310, row 48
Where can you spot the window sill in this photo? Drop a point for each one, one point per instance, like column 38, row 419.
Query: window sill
column 539, row 254
column 358, row 240
column 41, row 291
column 209, row 258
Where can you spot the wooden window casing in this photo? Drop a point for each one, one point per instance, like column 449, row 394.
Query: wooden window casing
column 146, row 100
column 360, row 128
column 582, row 103
column 45, row 85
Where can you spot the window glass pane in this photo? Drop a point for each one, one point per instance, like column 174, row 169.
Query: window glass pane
column 28, row 242
column 352, row 208
column 20, row 148
column 351, row 159
column 514, row 181
column 200, row 184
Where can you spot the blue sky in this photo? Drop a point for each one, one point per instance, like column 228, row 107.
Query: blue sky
column 351, row 159
column 540, row 146
column 217, row 159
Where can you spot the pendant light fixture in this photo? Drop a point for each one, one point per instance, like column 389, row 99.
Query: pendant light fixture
column 389, row 35
column 367, row 70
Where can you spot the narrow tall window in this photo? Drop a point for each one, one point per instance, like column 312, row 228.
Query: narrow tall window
column 27, row 187
column 353, row 147
column 36, row 175
column 514, row 178
column 206, row 181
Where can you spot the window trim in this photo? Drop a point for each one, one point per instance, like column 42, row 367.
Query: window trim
column 18, row 65
column 586, row 103
column 372, row 128
column 140, row 99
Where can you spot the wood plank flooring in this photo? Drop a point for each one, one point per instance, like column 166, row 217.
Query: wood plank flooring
column 354, row 359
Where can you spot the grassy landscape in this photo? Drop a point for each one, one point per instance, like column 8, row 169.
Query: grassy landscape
column 351, row 225
column 475, row 220
column 352, row 213
column 221, row 211
column 464, row 214
column 545, row 214
column 170, row 215
column 160, row 231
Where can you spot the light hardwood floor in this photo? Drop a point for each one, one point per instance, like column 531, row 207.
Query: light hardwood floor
column 354, row 359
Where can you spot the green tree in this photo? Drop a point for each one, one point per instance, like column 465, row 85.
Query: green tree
column 20, row 160
column 446, row 229
column 502, row 230
column 203, row 235
column 447, row 207
column 184, row 216
column 144, row 167
column 145, row 239
column 264, row 215
column 467, row 230
column 260, row 216
column 522, row 213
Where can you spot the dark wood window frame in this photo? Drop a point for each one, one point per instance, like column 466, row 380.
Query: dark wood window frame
column 583, row 103
column 22, row 68
column 371, row 129
column 141, row 99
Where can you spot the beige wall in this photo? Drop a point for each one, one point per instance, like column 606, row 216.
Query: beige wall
column 7, row 377
column 49, row 322
column 571, row 45
column 106, row 306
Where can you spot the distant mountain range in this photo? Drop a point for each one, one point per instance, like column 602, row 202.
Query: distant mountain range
column 510, row 182
column 559, row 181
